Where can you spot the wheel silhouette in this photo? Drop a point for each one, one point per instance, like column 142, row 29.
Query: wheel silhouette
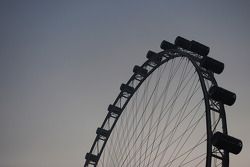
column 170, row 113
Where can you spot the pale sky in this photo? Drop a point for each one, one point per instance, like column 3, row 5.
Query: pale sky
column 62, row 62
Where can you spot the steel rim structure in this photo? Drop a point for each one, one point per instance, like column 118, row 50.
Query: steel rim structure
column 178, row 139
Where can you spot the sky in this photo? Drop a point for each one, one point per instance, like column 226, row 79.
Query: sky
column 62, row 63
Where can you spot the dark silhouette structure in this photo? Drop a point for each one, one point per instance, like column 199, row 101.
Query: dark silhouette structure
column 218, row 143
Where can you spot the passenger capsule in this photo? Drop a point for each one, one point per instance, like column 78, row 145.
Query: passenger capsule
column 91, row 157
column 127, row 89
column 212, row 65
column 199, row 48
column 182, row 42
column 102, row 132
column 222, row 95
column 226, row 142
column 114, row 109
column 165, row 45
column 140, row 71
column 154, row 57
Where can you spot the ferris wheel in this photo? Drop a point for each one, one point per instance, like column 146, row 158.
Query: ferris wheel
column 170, row 113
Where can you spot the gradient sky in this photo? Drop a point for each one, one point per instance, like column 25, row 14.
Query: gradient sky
column 62, row 62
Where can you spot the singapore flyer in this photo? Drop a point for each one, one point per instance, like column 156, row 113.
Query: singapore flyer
column 170, row 113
